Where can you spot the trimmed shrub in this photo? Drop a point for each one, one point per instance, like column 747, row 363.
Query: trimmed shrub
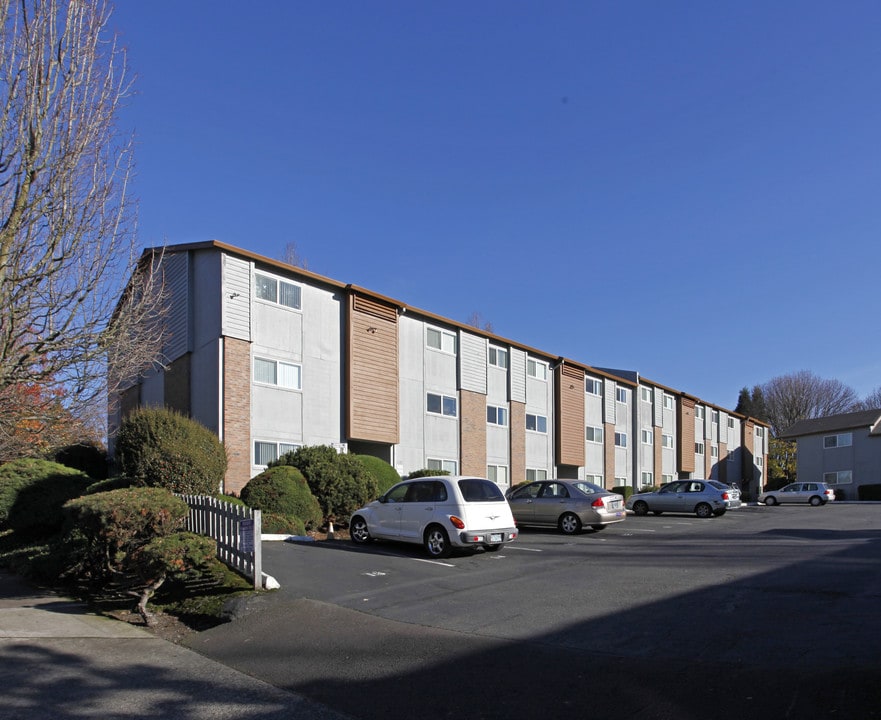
column 340, row 483
column 157, row 447
column 283, row 491
column 624, row 490
column 111, row 525
column 427, row 472
column 385, row 474
column 89, row 457
column 33, row 492
column 117, row 483
column 275, row 524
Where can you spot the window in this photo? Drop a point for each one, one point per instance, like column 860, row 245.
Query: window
column 280, row 374
column 760, row 432
column 595, row 479
column 534, row 475
column 648, row 479
column 760, row 461
column 498, row 357
column 537, row 369
column 666, row 479
column 842, row 477
column 267, row 452
column 699, row 412
column 667, row 441
column 621, row 439
column 496, row 415
column 648, row 437
column 699, row 448
column 621, row 395
column 668, row 402
column 536, row 423
column 594, row 434
column 714, row 416
column 841, row 440
column 714, row 451
column 277, row 291
column 645, row 394
column 593, row 386
column 440, row 340
column 451, row 466
column 497, row 473
column 442, row 405
column 731, row 423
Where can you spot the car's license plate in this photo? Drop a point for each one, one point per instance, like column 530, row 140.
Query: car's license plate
column 495, row 537
column 615, row 505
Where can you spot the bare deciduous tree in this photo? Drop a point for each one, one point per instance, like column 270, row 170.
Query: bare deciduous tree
column 804, row 396
column 873, row 399
column 67, row 241
column 292, row 256
column 476, row 320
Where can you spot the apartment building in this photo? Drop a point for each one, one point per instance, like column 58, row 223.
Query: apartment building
column 272, row 357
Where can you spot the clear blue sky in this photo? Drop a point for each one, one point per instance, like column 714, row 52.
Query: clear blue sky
column 691, row 190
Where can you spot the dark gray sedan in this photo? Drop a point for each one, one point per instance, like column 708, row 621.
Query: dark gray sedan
column 568, row 505
column 704, row 498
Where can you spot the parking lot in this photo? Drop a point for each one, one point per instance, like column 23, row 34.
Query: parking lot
column 766, row 611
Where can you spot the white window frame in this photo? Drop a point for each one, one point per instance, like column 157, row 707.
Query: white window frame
column 731, row 423
column 837, row 441
column 835, row 478
column 647, row 479
column 537, row 369
column 536, row 474
column 699, row 448
column 593, row 386
column 446, row 340
column 497, row 357
column 669, row 403
column 666, row 479
column 621, row 439
column 278, row 283
column 667, row 441
column 714, row 451
column 281, row 370
column 451, row 466
column 714, row 416
column 443, row 404
column 281, row 448
column 646, row 394
column 648, row 437
column 594, row 434
column 700, row 412
column 622, row 395
column 498, row 474
column 496, row 415
column 538, row 421
column 595, row 479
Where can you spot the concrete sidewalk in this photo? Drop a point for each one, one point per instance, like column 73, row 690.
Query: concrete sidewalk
column 58, row 660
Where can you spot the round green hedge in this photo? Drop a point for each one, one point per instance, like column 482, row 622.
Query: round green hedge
column 157, row 447
column 282, row 491
column 33, row 492
column 385, row 474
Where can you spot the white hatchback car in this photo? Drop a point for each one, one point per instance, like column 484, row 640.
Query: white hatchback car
column 815, row 493
column 439, row 513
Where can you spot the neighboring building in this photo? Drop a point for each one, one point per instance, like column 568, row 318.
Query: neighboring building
column 843, row 451
column 272, row 357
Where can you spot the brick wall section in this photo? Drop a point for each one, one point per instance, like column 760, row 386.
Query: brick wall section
column 237, row 413
column 472, row 427
column 749, row 448
column 518, row 442
column 723, row 462
column 177, row 385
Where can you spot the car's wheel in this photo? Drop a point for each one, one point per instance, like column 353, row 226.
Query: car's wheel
column 437, row 542
column 816, row 500
column 569, row 524
column 598, row 527
column 703, row 510
column 640, row 507
column 770, row 500
column 358, row 531
column 492, row 548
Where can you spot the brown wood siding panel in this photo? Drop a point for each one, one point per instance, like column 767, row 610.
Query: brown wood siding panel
column 518, row 442
column 570, row 415
column 237, row 413
column 373, row 395
column 472, row 428
column 685, row 422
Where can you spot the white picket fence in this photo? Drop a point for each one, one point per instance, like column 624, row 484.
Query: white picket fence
column 235, row 529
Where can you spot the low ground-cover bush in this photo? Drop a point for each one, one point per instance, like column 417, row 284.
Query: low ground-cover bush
column 157, row 447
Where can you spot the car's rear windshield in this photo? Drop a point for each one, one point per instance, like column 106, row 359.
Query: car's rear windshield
column 477, row 490
column 588, row 488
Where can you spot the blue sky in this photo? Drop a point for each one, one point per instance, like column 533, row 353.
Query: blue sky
column 685, row 189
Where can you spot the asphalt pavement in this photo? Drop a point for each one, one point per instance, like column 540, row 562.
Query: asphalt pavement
column 58, row 660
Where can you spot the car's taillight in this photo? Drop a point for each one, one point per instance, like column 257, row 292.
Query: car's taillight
column 598, row 503
column 457, row 522
column 724, row 495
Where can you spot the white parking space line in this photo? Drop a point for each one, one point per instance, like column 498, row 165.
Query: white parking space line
column 524, row 549
column 434, row 562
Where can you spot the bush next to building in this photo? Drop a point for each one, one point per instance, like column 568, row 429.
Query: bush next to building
column 340, row 482
column 89, row 457
column 385, row 474
column 284, row 497
column 624, row 490
column 427, row 472
column 33, row 492
column 157, row 447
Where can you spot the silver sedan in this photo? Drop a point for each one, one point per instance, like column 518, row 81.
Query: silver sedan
column 704, row 498
column 568, row 505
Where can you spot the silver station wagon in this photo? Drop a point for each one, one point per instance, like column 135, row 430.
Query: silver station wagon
column 439, row 513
